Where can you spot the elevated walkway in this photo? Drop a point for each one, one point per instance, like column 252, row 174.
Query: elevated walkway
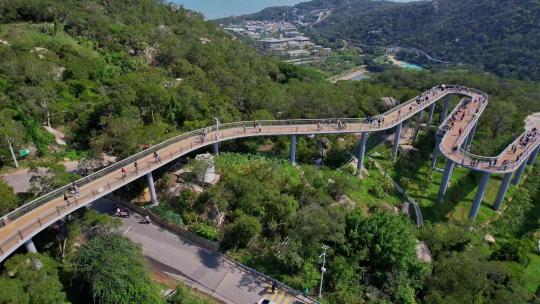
column 21, row 225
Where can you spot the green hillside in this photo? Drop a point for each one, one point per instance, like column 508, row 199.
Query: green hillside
column 499, row 36
column 115, row 74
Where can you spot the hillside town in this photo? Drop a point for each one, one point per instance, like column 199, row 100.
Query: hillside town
column 279, row 37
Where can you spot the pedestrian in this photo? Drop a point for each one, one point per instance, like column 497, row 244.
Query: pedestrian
column 259, row 127
column 244, row 125
column 274, row 286
column 66, row 199
column 76, row 189
column 124, row 175
column 136, row 166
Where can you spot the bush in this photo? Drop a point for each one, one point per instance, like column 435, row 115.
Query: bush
column 377, row 191
column 241, row 231
column 205, row 231
column 514, row 251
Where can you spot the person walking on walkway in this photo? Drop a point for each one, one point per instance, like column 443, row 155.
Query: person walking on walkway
column 136, row 166
column 66, row 199
column 76, row 189
column 274, row 286
column 124, row 174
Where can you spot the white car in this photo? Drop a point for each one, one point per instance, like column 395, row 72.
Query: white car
column 265, row 301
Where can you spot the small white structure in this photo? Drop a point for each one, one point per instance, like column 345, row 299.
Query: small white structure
column 206, row 170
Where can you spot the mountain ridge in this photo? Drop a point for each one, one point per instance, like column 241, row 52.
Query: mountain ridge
column 502, row 37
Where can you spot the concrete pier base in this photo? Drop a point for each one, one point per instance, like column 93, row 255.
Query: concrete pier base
column 436, row 152
column 293, row 149
column 448, row 169
column 397, row 137
column 361, row 153
column 502, row 191
column 430, row 119
column 519, row 173
column 30, row 247
column 479, row 195
column 216, row 148
column 446, row 106
column 152, row 188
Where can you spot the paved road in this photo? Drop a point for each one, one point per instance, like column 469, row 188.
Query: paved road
column 196, row 266
column 19, row 179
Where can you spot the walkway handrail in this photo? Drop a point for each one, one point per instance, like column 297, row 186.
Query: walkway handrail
column 117, row 166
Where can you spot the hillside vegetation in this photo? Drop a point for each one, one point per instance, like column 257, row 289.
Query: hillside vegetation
column 117, row 74
column 499, row 36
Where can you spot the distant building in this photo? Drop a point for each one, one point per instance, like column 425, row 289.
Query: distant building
column 298, row 53
column 283, row 43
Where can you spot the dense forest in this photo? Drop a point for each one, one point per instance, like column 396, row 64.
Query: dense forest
column 499, row 36
column 115, row 75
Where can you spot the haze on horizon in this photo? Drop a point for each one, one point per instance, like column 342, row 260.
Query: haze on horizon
column 213, row 9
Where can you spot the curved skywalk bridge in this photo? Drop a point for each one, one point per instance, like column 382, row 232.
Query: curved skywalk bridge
column 454, row 137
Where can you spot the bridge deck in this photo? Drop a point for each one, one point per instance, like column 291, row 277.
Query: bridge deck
column 23, row 223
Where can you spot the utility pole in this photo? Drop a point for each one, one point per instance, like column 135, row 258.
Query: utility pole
column 323, row 270
column 12, row 153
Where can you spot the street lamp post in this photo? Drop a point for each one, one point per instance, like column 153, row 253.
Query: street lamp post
column 12, row 153
column 216, row 144
column 323, row 270
column 217, row 125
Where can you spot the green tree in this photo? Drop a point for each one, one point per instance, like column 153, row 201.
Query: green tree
column 184, row 295
column 9, row 199
column 111, row 269
column 31, row 278
column 240, row 232
column 383, row 243
column 467, row 278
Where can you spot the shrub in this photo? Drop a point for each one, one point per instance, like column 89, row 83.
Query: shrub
column 205, row 231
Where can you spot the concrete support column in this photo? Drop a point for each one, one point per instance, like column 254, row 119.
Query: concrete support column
column 417, row 127
column 519, row 173
column 448, row 169
column 293, row 149
column 502, row 191
column 361, row 153
column 479, row 195
column 30, row 247
column 436, row 151
column 152, row 188
column 397, row 137
column 470, row 138
column 446, row 105
column 532, row 159
column 216, row 148
column 431, row 111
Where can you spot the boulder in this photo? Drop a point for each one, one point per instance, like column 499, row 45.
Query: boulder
column 489, row 239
